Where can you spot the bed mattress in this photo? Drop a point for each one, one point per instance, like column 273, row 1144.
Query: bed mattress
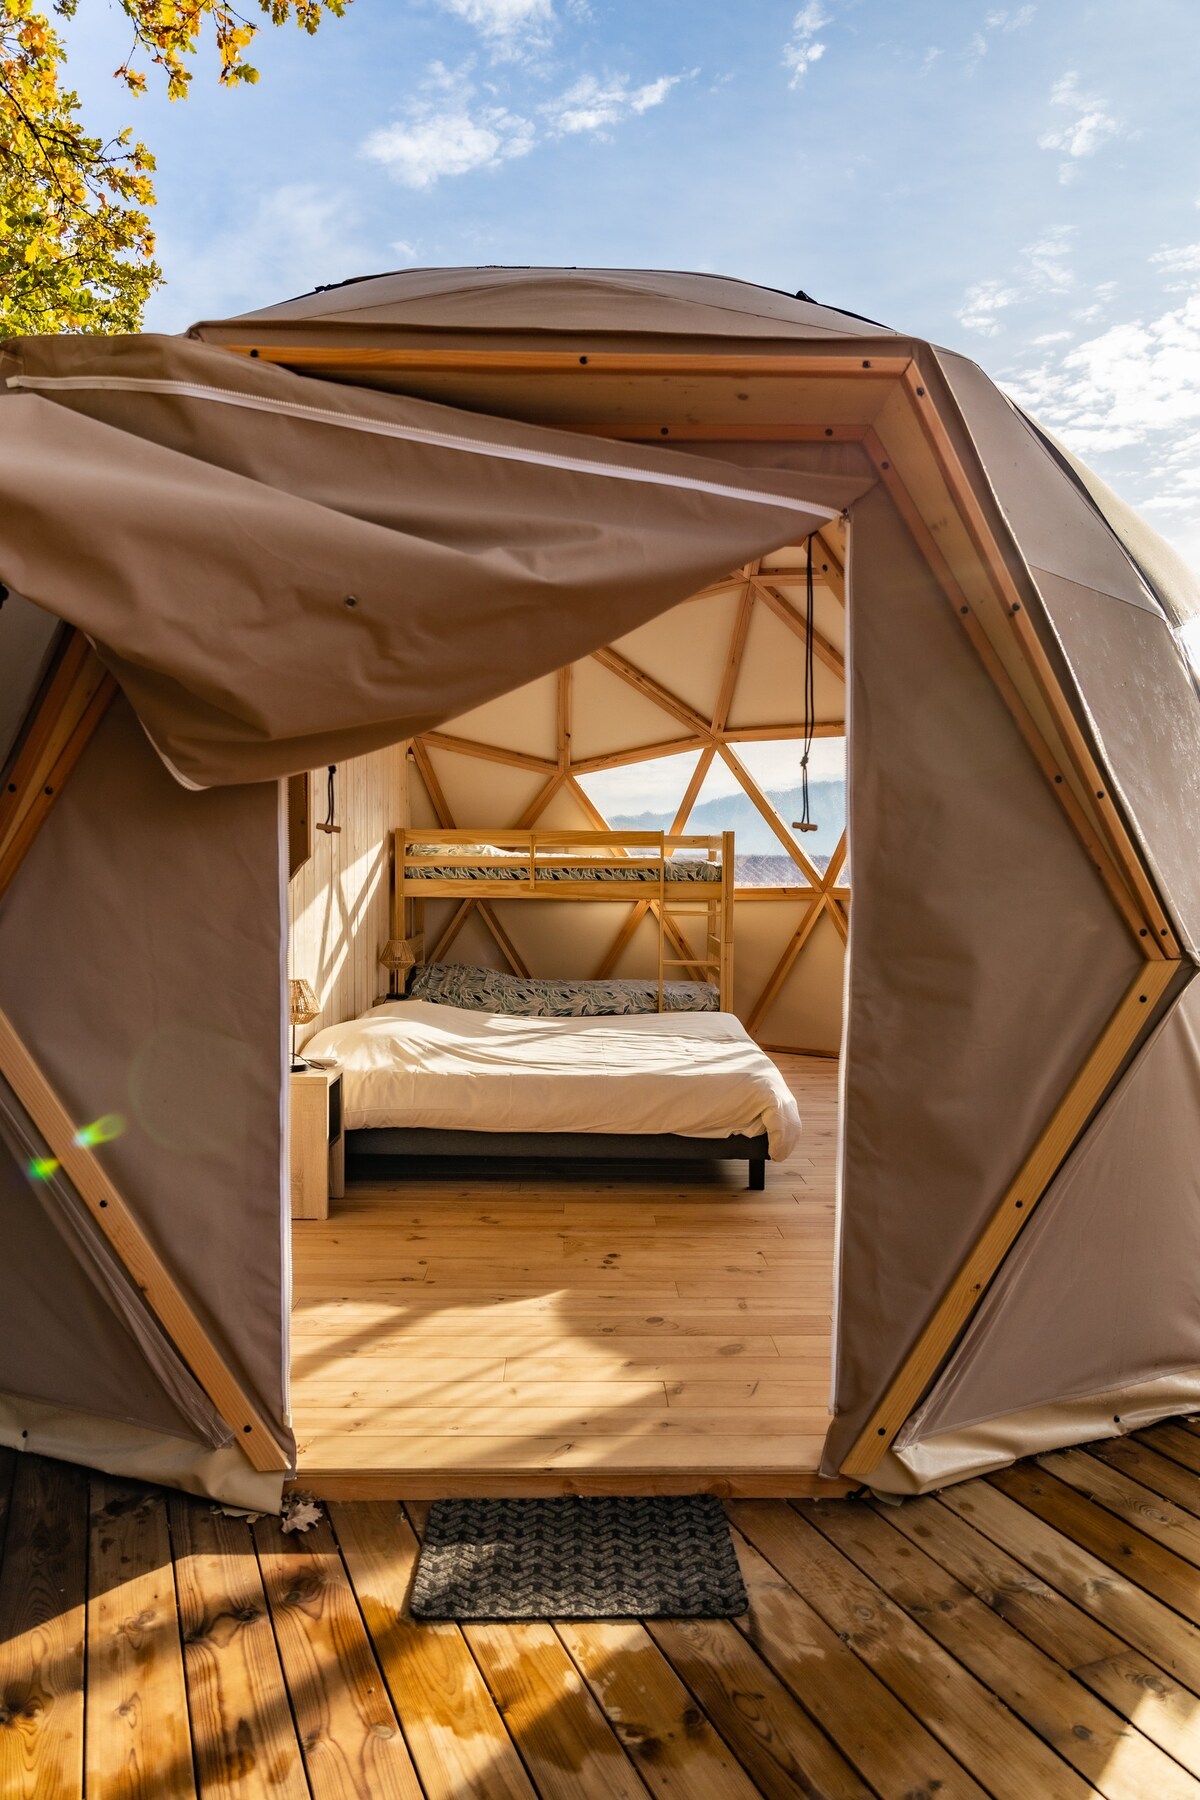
column 413, row 1064
column 678, row 869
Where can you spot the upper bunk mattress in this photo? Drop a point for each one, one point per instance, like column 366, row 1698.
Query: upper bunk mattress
column 679, row 868
column 412, row 1064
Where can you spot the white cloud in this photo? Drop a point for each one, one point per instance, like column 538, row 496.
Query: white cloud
column 1042, row 267
column 1052, row 337
column 418, row 151
column 1180, row 265
column 448, row 134
column 1086, row 130
column 982, row 302
column 1125, row 387
column 452, row 130
column 1133, row 388
column 592, row 104
column 1000, row 21
column 804, row 48
column 510, row 28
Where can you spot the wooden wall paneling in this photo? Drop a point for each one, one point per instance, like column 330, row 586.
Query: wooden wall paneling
column 340, row 901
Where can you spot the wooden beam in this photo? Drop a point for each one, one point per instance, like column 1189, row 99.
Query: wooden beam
column 166, row 1300
column 508, row 949
column 349, row 358
column 1016, row 615
column 734, row 654
column 653, row 691
column 783, row 967
column 564, row 718
column 811, row 872
column 1128, row 1025
column 74, row 699
column 619, row 759
column 460, row 746
column 612, row 955
column 783, row 609
column 1047, row 760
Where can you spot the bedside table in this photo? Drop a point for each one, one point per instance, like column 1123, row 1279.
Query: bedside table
column 318, row 1141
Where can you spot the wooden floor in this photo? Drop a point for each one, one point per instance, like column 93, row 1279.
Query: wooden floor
column 1035, row 1636
column 549, row 1331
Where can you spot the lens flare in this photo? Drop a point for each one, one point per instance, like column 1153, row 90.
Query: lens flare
column 100, row 1131
column 43, row 1167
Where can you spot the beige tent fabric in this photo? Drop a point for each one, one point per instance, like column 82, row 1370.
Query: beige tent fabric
column 1101, row 1286
column 142, row 962
column 71, row 1434
column 985, row 959
column 1115, row 634
column 455, row 304
column 380, row 564
column 970, row 1450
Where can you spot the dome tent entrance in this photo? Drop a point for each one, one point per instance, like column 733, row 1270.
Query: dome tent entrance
column 1005, row 986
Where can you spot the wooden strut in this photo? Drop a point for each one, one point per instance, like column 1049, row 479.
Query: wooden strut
column 1128, row 1024
column 79, row 692
column 162, row 1294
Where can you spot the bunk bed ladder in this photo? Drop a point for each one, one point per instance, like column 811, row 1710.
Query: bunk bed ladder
column 715, row 964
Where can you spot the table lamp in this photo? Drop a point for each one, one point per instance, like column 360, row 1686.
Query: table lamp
column 304, row 1007
column 397, row 955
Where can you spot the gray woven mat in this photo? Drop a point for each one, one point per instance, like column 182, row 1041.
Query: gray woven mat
column 578, row 1559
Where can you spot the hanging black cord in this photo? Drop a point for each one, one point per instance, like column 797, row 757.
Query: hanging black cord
column 804, row 822
column 327, row 823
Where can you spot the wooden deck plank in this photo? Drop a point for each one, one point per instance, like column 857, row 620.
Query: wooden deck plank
column 966, row 1717
column 137, row 1738
column 1106, row 1751
column 784, row 1752
column 348, row 1730
column 42, row 1633
column 1169, row 1480
column 1123, row 1547
column 455, row 1735
column 565, row 1741
column 664, row 1732
column 241, row 1719
column 891, row 1750
column 1109, row 1594
column 1119, row 1493
column 1133, row 1685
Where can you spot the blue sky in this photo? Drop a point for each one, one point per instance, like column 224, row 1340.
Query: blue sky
column 1021, row 182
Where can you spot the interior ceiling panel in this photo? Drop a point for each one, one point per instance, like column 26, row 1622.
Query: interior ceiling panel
column 686, row 649
column 483, row 793
column 608, row 715
column 522, row 720
column 770, row 683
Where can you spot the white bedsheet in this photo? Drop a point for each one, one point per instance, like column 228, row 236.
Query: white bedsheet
column 411, row 1063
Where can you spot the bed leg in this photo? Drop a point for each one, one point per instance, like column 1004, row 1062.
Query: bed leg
column 758, row 1175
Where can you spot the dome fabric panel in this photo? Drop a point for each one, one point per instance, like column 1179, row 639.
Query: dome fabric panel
column 380, row 563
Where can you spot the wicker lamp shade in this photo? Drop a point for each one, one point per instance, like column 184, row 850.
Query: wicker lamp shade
column 303, row 1003
column 398, row 956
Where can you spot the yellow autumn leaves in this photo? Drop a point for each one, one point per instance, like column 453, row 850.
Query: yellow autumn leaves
column 76, row 244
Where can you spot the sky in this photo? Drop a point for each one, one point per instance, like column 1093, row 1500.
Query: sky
column 1019, row 182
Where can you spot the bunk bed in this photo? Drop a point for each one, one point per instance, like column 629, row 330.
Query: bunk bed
column 440, row 1075
column 683, row 876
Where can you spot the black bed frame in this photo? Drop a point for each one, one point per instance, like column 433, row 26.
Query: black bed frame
column 576, row 1146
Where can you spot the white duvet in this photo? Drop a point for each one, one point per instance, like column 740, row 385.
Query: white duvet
column 411, row 1063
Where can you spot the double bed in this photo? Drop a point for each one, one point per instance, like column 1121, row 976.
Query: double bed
column 421, row 1078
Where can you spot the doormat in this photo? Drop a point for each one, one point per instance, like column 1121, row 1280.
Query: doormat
column 578, row 1558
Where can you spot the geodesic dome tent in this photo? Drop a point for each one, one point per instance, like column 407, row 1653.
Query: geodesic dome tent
column 351, row 519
